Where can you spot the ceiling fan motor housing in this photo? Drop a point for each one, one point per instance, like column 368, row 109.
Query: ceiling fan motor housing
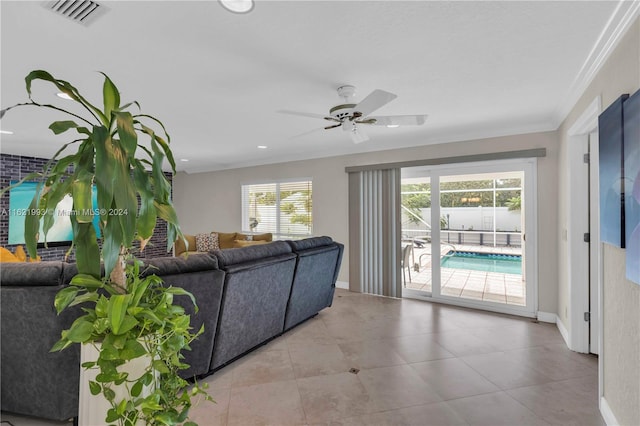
column 342, row 111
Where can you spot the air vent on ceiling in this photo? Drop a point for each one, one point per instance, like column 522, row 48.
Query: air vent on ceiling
column 84, row 12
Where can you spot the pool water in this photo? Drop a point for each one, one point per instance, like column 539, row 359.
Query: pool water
column 486, row 262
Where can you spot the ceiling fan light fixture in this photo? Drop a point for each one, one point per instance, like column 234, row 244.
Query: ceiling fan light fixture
column 238, row 6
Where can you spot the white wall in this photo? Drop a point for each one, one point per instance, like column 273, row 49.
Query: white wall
column 477, row 218
column 211, row 201
column 621, row 314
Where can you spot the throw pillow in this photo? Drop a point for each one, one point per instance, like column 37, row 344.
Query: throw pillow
column 20, row 254
column 7, row 256
column 207, row 242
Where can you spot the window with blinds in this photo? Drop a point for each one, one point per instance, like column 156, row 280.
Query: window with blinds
column 282, row 208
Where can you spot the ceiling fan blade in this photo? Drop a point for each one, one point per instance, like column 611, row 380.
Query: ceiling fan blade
column 306, row 114
column 399, row 120
column 333, row 126
column 376, row 99
column 358, row 136
column 307, row 133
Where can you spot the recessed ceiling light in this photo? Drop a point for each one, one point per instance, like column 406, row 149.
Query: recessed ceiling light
column 262, row 146
column 238, row 6
column 184, row 160
column 64, row 96
column 6, row 132
column 392, row 126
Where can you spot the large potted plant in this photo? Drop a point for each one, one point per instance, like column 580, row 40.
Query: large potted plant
column 127, row 314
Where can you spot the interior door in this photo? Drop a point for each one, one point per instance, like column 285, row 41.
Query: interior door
column 594, row 248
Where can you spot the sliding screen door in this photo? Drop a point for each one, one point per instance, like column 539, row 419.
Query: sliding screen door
column 467, row 228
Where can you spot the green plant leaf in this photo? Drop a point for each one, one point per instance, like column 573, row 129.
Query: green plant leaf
column 179, row 291
column 112, row 241
column 136, row 389
column 117, row 311
column 126, row 202
column 126, row 132
column 147, row 216
column 127, row 324
column 139, row 290
column 94, row 387
column 87, row 297
column 112, row 413
column 58, row 127
column 61, row 345
column 87, row 281
column 64, row 297
column 56, row 193
column 160, row 366
column 82, row 197
column 102, row 307
column 132, row 349
column 111, row 96
column 67, row 88
column 109, row 394
column 87, row 251
column 80, row 330
column 104, row 167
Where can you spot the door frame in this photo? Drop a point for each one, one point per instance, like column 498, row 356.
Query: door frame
column 529, row 168
column 577, row 338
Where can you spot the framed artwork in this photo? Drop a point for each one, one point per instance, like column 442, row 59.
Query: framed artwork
column 610, row 128
column 631, row 151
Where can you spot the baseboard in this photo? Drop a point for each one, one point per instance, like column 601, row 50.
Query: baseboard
column 547, row 317
column 342, row 284
column 607, row 413
column 563, row 332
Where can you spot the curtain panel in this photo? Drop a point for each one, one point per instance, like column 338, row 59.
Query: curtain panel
column 374, row 232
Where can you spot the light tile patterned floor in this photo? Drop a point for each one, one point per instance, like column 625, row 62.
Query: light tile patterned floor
column 417, row 363
column 475, row 285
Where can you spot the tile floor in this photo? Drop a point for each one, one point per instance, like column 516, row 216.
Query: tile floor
column 474, row 285
column 417, row 363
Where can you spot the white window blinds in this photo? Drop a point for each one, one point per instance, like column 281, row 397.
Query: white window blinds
column 282, row 208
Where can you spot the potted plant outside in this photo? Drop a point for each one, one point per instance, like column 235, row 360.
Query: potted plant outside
column 127, row 314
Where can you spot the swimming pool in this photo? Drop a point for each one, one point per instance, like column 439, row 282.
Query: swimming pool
column 486, row 262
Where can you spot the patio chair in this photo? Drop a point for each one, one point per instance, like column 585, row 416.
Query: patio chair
column 405, row 262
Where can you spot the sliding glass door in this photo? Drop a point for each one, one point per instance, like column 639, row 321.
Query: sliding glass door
column 464, row 232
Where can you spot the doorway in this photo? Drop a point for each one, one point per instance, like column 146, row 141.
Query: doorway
column 466, row 228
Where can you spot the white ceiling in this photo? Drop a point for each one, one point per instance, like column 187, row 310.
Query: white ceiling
column 217, row 79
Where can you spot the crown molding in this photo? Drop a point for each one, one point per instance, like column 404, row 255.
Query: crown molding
column 622, row 18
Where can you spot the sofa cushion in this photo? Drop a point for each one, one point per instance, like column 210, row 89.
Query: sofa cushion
column 180, row 246
column 225, row 239
column 247, row 243
column 194, row 262
column 247, row 254
column 309, row 243
column 31, row 274
column 207, row 242
column 268, row 236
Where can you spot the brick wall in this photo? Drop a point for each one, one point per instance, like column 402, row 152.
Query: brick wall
column 15, row 167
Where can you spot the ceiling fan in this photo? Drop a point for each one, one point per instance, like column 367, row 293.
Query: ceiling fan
column 351, row 116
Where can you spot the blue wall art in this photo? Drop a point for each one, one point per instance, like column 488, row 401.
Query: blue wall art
column 610, row 128
column 631, row 151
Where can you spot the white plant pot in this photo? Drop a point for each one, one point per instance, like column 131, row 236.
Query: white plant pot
column 92, row 409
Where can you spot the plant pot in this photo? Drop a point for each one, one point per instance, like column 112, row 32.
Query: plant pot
column 93, row 409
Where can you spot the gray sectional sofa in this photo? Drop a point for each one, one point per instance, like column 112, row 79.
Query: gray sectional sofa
column 246, row 297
